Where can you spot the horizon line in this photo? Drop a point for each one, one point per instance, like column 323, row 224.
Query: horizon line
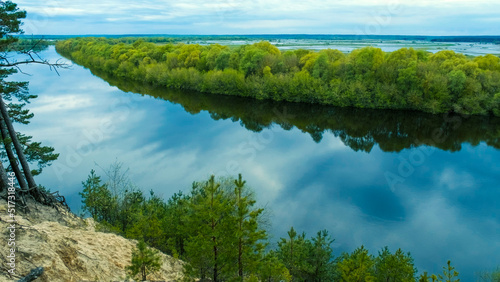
column 256, row 34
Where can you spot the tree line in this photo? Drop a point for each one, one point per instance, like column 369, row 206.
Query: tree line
column 366, row 78
column 220, row 232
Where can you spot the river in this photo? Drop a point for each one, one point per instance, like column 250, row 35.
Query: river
column 428, row 184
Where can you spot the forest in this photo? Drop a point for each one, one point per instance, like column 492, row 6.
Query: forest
column 220, row 231
column 405, row 79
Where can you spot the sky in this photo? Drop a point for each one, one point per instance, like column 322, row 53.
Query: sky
column 360, row 17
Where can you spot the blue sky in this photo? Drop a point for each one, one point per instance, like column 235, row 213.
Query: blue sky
column 415, row 17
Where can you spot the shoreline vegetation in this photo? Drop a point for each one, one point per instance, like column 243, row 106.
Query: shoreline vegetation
column 405, row 79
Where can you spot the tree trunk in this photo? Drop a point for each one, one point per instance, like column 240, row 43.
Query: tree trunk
column 11, row 156
column 216, row 274
column 214, row 238
column 240, row 241
column 143, row 272
column 17, row 146
column 291, row 259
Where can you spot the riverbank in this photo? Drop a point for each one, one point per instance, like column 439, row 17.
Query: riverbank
column 405, row 79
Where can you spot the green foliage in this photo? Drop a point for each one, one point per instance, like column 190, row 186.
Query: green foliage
column 272, row 269
column 223, row 227
column 306, row 259
column 357, row 266
column 10, row 17
column 212, row 226
column 144, row 261
column 97, row 199
column 293, row 252
column 321, row 257
column 36, row 153
column 394, row 267
column 249, row 235
column 209, row 223
column 424, row 277
column 216, row 229
column 365, row 78
column 449, row 274
column 496, row 104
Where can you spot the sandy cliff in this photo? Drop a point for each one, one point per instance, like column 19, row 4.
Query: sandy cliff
column 69, row 249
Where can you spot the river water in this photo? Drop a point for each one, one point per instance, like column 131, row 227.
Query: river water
column 428, row 184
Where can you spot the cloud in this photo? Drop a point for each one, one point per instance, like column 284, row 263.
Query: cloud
column 259, row 16
column 452, row 180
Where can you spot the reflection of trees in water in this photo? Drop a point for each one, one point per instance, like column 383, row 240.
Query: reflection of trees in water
column 360, row 129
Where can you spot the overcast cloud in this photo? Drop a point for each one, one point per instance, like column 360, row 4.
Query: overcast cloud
column 416, row 17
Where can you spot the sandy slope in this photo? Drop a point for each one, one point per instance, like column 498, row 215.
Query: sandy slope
column 70, row 249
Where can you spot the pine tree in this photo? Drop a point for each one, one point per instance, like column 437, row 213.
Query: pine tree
column 423, row 277
column 294, row 253
column 225, row 239
column 18, row 147
column 97, row 199
column 394, row 267
column 144, row 261
column 211, row 227
column 272, row 269
column 357, row 266
column 321, row 257
column 175, row 224
column 250, row 237
column 449, row 273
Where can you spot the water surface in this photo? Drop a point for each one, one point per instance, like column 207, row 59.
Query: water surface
column 425, row 183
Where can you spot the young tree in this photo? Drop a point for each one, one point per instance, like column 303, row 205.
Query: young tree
column 307, row 260
column 249, row 235
column 424, row 277
column 175, row 224
column 144, row 261
column 97, row 199
column 394, row 267
column 225, row 240
column 449, row 273
column 211, row 230
column 321, row 257
column 272, row 269
column 357, row 266
column 148, row 222
column 294, row 253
